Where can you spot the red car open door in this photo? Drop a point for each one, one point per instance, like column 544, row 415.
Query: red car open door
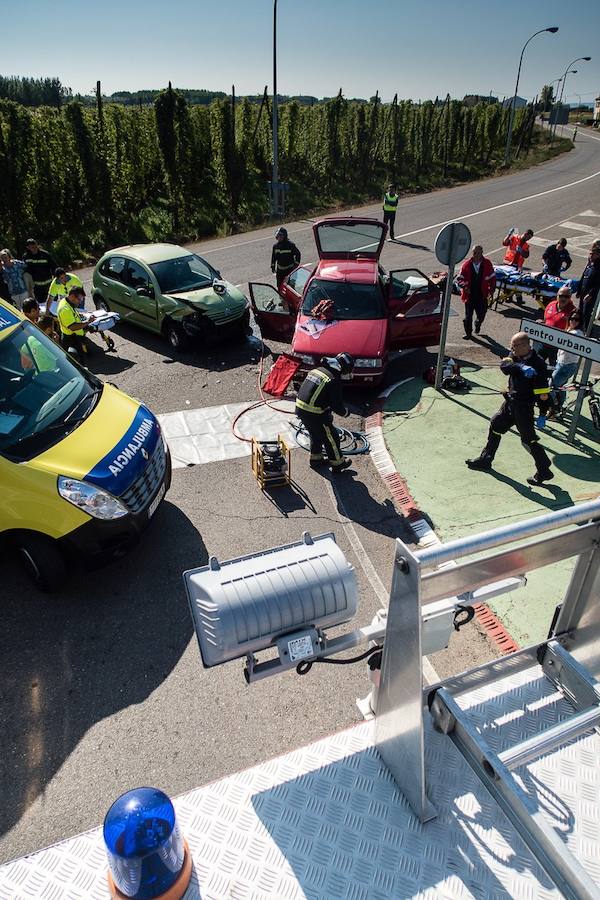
column 271, row 312
column 415, row 308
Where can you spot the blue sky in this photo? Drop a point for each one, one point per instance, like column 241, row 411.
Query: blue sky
column 419, row 49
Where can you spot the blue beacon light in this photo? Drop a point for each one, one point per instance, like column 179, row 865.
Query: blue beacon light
column 147, row 854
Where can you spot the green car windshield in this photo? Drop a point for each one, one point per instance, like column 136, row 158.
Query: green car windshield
column 350, row 301
column 184, row 273
column 43, row 394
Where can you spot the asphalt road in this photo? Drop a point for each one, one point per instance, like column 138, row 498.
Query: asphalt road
column 101, row 687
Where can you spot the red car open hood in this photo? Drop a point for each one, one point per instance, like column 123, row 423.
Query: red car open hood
column 360, row 337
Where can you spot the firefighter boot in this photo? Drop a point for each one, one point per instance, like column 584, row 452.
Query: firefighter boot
column 468, row 334
column 483, row 463
column 339, row 467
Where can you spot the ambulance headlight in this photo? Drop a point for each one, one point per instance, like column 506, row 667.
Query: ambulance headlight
column 90, row 499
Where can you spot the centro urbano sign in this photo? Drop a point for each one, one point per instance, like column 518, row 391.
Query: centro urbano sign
column 588, row 348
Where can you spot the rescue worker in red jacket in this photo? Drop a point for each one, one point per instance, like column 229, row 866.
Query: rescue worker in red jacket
column 319, row 396
column 518, row 248
column 527, row 385
column 477, row 283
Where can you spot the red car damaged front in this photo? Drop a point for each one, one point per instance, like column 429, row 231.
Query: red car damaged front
column 348, row 303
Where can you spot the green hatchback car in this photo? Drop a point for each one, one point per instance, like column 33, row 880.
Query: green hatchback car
column 170, row 291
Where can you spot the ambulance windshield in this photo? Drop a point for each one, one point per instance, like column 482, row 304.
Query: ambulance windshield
column 43, row 394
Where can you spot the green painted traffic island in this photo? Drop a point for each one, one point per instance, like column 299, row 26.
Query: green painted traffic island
column 430, row 435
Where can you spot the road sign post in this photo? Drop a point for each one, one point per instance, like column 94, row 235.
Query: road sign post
column 451, row 246
column 587, row 348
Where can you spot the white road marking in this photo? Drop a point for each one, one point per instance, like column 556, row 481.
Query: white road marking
column 589, row 212
column 480, row 212
column 579, row 226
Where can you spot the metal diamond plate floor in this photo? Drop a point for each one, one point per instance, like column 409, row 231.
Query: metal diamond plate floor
column 326, row 821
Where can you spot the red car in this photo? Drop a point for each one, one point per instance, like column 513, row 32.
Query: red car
column 347, row 302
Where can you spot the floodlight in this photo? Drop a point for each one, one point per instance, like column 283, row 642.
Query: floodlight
column 282, row 597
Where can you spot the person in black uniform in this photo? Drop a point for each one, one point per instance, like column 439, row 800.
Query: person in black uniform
column 557, row 258
column 527, row 383
column 285, row 256
column 319, row 396
column 589, row 285
column 40, row 266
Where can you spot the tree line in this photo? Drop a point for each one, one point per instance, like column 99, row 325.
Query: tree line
column 82, row 179
column 34, row 91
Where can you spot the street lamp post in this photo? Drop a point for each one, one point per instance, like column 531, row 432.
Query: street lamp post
column 511, row 116
column 275, row 210
column 562, row 90
column 557, row 82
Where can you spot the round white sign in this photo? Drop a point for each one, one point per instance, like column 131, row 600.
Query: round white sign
column 452, row 243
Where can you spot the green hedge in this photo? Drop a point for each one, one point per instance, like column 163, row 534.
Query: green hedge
column 82, row 179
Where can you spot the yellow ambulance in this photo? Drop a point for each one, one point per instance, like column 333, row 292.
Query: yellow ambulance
column 83, row 467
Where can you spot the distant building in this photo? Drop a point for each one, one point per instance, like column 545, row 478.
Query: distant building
column 597, row 110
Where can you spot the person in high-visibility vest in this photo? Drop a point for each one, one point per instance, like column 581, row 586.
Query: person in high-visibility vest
column 61, row 285
column 517, row 248
column 390, row 205
column 72, row 326
column 319, row 396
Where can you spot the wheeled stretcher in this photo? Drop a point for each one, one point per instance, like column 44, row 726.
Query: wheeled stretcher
column 512, row 283
column 103, row 322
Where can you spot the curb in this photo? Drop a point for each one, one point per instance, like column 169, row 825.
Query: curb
column 424, row 533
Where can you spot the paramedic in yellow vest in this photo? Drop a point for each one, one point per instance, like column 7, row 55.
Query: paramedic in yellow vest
column 72, row 326
column 390, row 205
column 61, row 285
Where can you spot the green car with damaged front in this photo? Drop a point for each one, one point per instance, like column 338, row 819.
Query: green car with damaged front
column 170, row 291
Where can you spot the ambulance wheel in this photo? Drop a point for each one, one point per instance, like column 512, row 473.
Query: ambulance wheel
column 42, row 560
column 175, row 336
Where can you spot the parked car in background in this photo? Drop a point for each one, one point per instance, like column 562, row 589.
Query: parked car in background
column 170, row 291
column 348, row 302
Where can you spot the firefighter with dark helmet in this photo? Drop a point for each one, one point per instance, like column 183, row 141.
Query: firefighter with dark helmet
column 285, row 256
column 319, row 396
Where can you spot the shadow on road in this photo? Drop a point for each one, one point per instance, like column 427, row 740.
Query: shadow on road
column 217, row 357
column 105, row 642
column 413, row 246
column 355, row 502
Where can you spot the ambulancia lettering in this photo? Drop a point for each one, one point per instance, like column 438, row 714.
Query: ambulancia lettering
column 128, row 452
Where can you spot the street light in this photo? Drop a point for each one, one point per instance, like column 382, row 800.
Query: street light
column 511, row 117
column 275, row 177
column 562, row 90
column 557, row 82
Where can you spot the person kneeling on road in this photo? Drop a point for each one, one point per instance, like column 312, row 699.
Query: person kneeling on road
column 72, row 326
column 527, row 383
column 319, row 396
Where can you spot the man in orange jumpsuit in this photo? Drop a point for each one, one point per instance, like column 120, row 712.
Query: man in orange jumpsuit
column 517, row 248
